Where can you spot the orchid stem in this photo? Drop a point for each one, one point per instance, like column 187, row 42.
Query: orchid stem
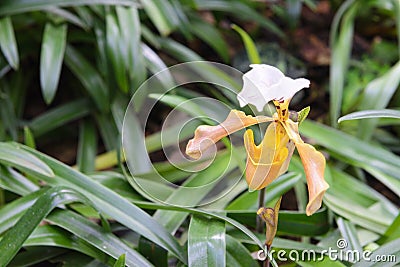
column 261, row 200
column 266, row 261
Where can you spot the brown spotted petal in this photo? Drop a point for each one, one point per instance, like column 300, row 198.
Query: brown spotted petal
column 205, row 135
column 266, row 161
column 270, row 217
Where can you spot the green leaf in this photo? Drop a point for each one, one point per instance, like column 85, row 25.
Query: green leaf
column 325, row 262
column 367, row 114
column 116, row 52
column 341, row 37
column 29, row 139
column 8, row 116
column 241, row 227
column 154, row 253
column 59, row 116
column 396, row 8
column 390, row 252
column 249, row 200
column 89, row 77
column 290, row 222
column 377, row 95
column 237, row 255
column 13, row 240
column 7, row 42
column 35, row 255
column 51, row 235
column 356, row 214
column 158, row 15
column 130, row 29
column 10, row 7
column 358, row 202
column 349, row 233
column 355, row 151
column 13, row 211
column 96, row 236
column 108, row 130
column 193, row 190
column 134, row 146
column 13, row 181
column 251, row 48
column 120, row 262
column 392, row 232
column 63, row 14
column 87, row 147
column 111, row 204
column 241, row 10
column 51, row 58
column 210, row 35
column 206, row 242
column 13, row 155
column 302, row 114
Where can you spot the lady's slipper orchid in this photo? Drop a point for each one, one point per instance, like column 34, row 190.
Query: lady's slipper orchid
column 269, row 159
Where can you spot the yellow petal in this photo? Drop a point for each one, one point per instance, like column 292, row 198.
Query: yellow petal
column 265, row 161
column 314, row 167
column 205, row 135
column 285, row 166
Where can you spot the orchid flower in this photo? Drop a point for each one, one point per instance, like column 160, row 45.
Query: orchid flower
column 269, row 159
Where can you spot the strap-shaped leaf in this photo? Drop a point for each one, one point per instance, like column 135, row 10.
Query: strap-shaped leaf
column 206, row 242
column 8, row 43
column 51, row 58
